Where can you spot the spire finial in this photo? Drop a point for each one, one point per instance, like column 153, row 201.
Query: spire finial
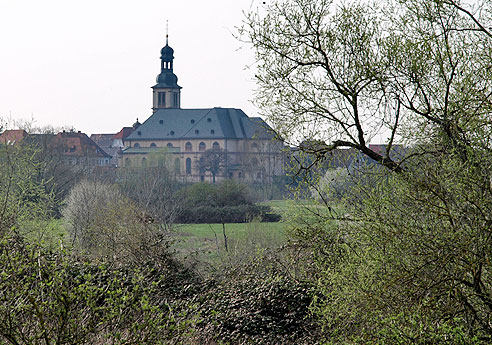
column 167, row 31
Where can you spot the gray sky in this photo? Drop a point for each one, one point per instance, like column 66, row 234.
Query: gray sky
column 90, row 64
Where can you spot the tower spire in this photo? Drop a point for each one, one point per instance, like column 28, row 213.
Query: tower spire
column 167, row 92
column 167, row 31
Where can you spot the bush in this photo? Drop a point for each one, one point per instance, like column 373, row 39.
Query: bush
column 225, row 202
column 228, row 214
column 272, row 310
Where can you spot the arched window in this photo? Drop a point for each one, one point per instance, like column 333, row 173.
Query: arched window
column 169, row 145
column 153, row 145
column 177, row 165
column 188, row 165
column 188, row 146
column 137, row 145
column 144, row 162
column 216, row 146
column 202, row 146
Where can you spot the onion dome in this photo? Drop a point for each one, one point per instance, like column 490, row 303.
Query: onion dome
column 167, row 53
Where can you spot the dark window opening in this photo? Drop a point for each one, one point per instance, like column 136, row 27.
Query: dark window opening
column 188, row 146
column 175, row 100
column 169, row 145
column 161, row 99
column 202, row 146
column 161, row 121
column 153, row 145
column 188, row 165
column 197, row 131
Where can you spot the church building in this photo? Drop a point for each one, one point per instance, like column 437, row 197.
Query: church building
column 201, row 144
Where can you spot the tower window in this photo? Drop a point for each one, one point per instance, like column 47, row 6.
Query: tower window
column 161, row 99
column 176, row 100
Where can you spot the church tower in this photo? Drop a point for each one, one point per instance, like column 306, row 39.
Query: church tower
column 167, row 92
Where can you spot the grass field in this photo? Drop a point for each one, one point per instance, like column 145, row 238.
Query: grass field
column 207, row 244
column 205, row 241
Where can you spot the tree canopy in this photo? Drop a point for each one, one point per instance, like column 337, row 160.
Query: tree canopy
column 346, row 74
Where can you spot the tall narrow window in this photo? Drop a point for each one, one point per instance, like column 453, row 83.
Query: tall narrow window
column 188, row 146
column 177, row 166
column 161, row 99
column 188, row 165
column 175, row 100
column 202, row 146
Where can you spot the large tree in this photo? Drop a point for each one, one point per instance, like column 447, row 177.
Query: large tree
column 410, row 260
column 350, row 73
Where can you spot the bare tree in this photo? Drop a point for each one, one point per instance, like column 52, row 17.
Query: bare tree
column 213, row 161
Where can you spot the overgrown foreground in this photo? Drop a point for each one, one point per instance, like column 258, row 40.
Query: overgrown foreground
column 50, row 297
column 117, row 281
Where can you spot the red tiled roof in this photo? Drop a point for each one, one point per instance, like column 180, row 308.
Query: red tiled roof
column 77, row 144
column 125, row 131
column 13, row 135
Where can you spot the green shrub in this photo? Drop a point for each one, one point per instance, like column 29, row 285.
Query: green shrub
column 228, row 214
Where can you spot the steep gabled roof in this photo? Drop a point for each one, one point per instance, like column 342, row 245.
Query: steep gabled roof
column 103, row 140
column 125, row 132
column 211, row 123
column 13, row 136
column 77, row 144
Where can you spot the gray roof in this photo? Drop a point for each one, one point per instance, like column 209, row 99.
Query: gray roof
column 212, row 123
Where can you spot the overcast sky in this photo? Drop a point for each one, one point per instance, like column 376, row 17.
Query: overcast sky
column 90, row 64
